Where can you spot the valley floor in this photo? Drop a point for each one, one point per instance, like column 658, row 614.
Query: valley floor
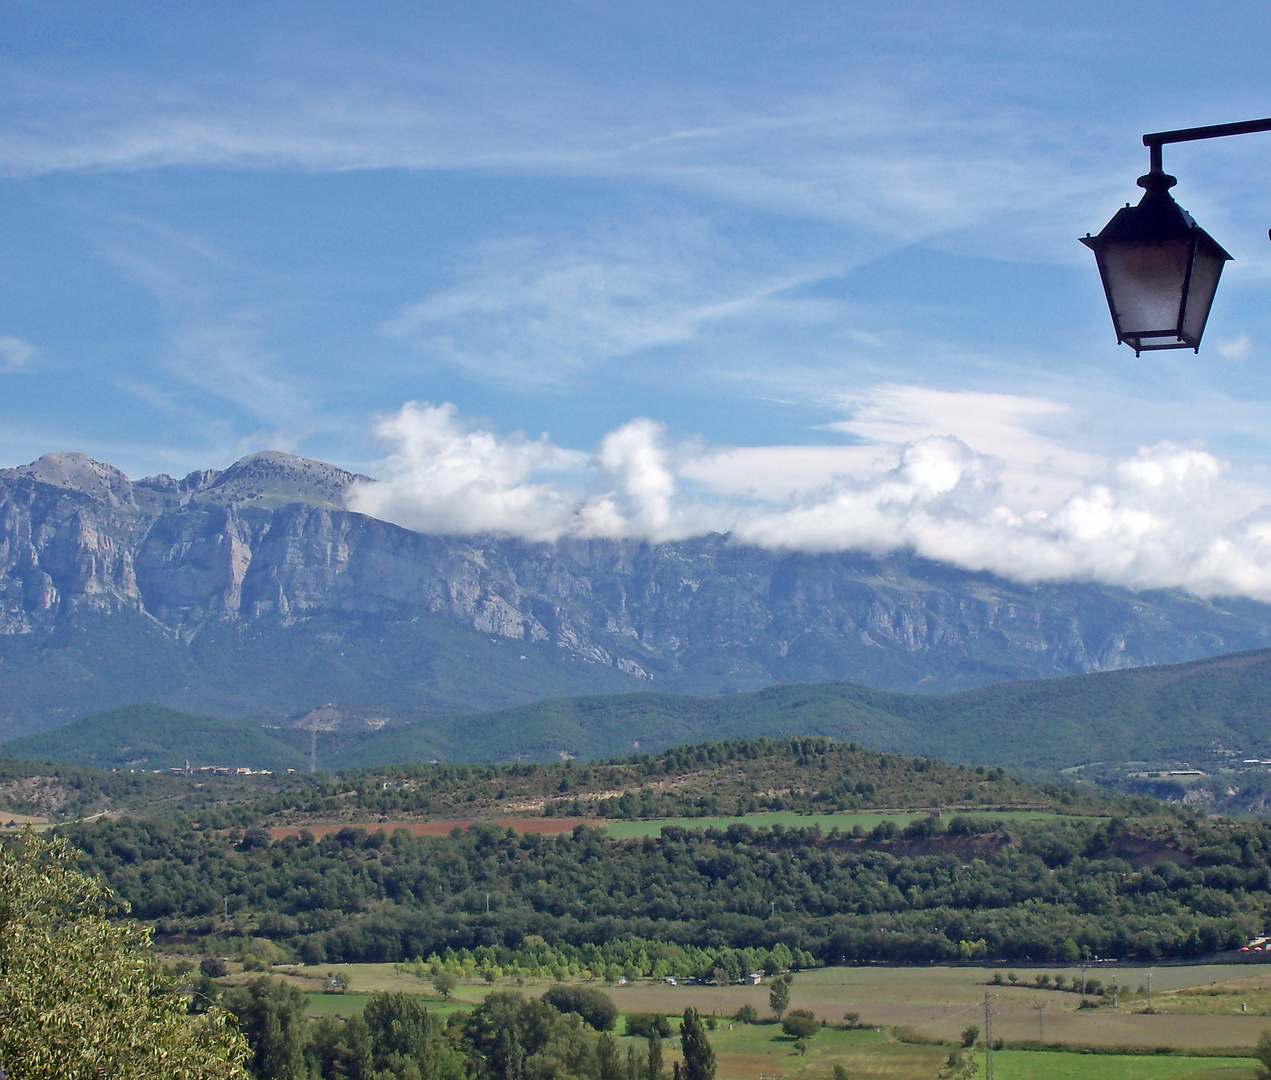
column 911, row 1019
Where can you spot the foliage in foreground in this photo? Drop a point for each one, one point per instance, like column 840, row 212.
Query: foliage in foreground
column 79, row 994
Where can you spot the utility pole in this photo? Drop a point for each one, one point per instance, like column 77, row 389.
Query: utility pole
column 988, row 1036
column 1083, row 980
column 1149, row 991
column 1041, row 1022
column 1115, row 1003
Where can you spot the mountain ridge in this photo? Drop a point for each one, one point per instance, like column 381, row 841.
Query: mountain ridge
column 251, row 590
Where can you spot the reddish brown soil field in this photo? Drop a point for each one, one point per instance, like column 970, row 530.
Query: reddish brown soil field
column 438, row 828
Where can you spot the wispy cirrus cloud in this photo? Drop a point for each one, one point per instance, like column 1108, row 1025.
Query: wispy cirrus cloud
column 16, row 354
column 213, row 339
column 875, row 150
column 537, row 309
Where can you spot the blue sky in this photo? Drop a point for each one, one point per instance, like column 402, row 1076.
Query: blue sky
column 804, row 271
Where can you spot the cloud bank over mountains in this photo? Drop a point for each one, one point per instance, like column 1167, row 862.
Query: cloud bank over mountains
column 964, row 478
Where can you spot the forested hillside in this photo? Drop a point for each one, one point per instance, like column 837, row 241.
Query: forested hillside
column 938, row 890
column 1207, row 713
column 809, row 775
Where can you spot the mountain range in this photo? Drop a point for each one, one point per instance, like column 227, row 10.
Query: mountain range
column 253, row 591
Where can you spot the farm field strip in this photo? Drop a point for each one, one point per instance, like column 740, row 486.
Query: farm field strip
column 746, row 1051
column 1056, row 1065
column 624, row 830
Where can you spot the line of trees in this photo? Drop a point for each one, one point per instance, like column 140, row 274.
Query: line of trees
column 506, row 1037
column 630, row 958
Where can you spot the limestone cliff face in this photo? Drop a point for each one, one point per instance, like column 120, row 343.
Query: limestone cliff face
column 266, row 545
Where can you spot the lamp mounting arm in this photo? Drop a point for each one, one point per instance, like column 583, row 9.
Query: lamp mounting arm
column 1157, row 139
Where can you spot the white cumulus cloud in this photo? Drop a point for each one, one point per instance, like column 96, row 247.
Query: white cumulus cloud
column 962, row 478
column 446, row 475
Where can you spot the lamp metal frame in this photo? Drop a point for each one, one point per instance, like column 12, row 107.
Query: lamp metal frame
column 1158, row 182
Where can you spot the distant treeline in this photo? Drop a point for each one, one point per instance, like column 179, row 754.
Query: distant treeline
column 629, row 959
column 1172, row 884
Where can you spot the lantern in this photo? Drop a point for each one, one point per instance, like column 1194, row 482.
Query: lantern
column 1160, row 270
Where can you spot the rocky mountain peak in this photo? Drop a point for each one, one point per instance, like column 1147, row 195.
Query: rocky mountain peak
column 274, row 478
column 77, row 472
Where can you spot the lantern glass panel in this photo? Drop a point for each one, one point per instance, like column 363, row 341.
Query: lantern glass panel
column 1206, row 267
column 1145, row 283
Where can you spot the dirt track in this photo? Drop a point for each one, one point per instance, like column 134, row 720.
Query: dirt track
column 438, row 828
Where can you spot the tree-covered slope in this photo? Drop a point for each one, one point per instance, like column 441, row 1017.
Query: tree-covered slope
column 153, row 737
column 1138, row 888
column 730, row 778
column 1186, row 712
column 1157, row 714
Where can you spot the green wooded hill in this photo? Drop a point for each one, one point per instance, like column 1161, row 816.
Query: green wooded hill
column 1173, row 713
column 795, row 776
column 149, row 737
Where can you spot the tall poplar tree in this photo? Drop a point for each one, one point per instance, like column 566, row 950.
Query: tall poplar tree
column 699, row 1057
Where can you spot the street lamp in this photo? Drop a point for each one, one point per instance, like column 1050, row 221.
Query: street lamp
column 1160, row 269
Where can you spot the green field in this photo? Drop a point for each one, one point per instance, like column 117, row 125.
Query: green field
column 344, row 1005
column 1054, row 1065
column 625, row 830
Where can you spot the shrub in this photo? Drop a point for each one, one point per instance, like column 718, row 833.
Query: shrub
column 214, row 967
column 646, row 1024
column 594, row 1006
column 800, row 1023
column 747, row 1014
column 1263, row 1050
